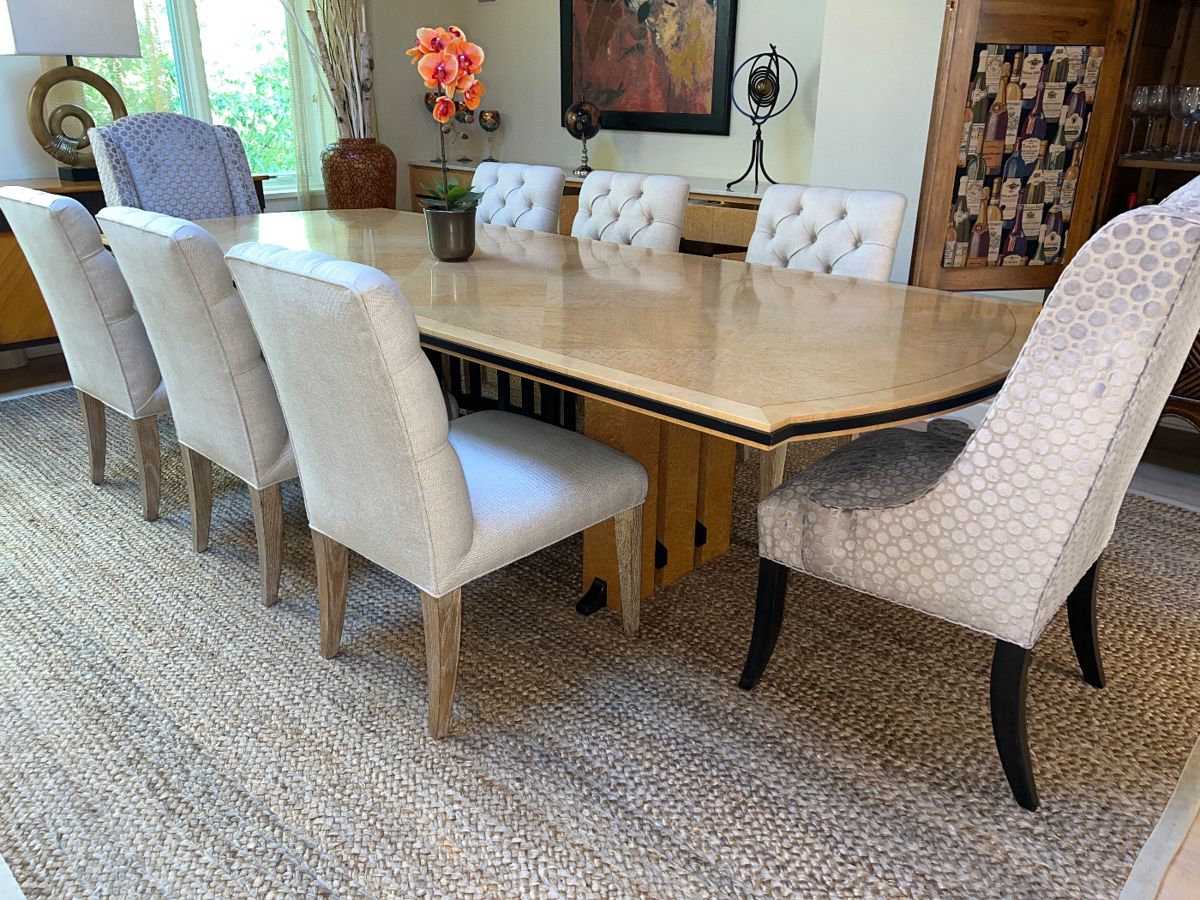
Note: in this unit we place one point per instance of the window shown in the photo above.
(223, 61)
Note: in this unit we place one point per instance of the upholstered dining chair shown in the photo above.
(834, 231)
(167, 163)
(997, 529)
(222, 399)
(385, 474)
(519, 195)
(108, 355)
(626, 208)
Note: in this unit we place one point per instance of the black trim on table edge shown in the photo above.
(719, 426)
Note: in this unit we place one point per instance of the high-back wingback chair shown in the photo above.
(626, 208)
(223, 401)
(995, 530)
(167, 163)
(385, 474)
(102, 336)
(519, 195)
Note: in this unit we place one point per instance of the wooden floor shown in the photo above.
(1182, 881)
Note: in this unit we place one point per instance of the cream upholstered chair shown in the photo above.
(639, 210)
(834, 231)
(109, 358)
(174, 165)
(386, 475)
(995, 530)
(519, 195)
(222, 398)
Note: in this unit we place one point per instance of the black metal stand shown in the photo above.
(595, 599)
(757, 163)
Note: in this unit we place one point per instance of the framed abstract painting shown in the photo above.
(650, 65)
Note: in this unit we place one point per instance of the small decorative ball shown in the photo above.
(582, 120)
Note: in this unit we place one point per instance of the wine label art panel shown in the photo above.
(1023, 137)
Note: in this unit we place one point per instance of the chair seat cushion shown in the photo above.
(811, 516)
(532, 484)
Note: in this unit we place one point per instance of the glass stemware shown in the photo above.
(489, 121)
(1185, 98)
(1159, 106)
(1195, 120)
(1138, 107)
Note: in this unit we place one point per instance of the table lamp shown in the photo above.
(69, 28)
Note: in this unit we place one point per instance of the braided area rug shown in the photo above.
(164, 734)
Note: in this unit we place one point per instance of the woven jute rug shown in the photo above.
(164, 734)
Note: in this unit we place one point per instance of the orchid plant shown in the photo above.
(450, 65)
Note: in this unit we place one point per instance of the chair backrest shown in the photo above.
(519, 195)
(1186, 198)
(364, 406)
(174, 165)
(639, 210)
(1052, 460)
(222, 398)
(831, 230)
(101, 333)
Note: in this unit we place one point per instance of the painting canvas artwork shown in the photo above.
(650, 65)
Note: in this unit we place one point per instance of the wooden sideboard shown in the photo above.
(24, 319)
(719, 222)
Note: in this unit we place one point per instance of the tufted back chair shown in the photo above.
(638, 210)
(390, 452)
(174, 165)
(519, 195)
(223, 400)
(101, 333)
(831, 230)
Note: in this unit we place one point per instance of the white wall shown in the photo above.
(878, 65)
(20, 155)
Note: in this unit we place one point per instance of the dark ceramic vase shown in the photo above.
(359, 173)
(451, 233)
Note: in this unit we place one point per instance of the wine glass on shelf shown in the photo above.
(1138, 106)
(1191, 152)
(1158, 107)
(1185, 98)
(489, 121)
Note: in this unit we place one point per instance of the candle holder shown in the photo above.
(489, 121)
(582, 121)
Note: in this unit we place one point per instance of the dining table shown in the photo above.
(676, 358)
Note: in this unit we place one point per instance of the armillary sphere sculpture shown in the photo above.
(763, 90)
(75, 151)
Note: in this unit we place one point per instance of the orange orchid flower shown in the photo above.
(473, 94)
(469, 56)
(439, 70)
(431, 40)
(457, 32)
(443, 109)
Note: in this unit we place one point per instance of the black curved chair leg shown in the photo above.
(768, 615)
(1081, 614)
(1010, 675)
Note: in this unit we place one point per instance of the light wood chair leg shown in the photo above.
(443, 616)
(94, 433)
(629, 564)
(332, 575)
(770, 469)
(267, 507)
(149, 463)
(197, 472)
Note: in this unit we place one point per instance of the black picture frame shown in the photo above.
(715, 122)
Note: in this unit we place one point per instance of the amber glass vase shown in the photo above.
(359, 173)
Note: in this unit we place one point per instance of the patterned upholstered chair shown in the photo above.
(174, 165)
(386, 475)
(102, 336)
(639, 210)
(222, 398)
(995, 530)
(1184, 402)
(519, 195)
(827, 230)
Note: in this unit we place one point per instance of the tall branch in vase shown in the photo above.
(340, 48)
(449, 65)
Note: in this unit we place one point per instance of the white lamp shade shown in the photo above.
(68, 28)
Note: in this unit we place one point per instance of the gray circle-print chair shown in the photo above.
(996, 530)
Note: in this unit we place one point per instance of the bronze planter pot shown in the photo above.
(451, 233)
(359, 173)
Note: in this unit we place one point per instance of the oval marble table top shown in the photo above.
(757, 354)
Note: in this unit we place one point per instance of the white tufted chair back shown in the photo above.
(519, 195)
(174, 165)
(638, 210)
(389, 451)
(223, 402)
(831, 230)
(102, 336)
